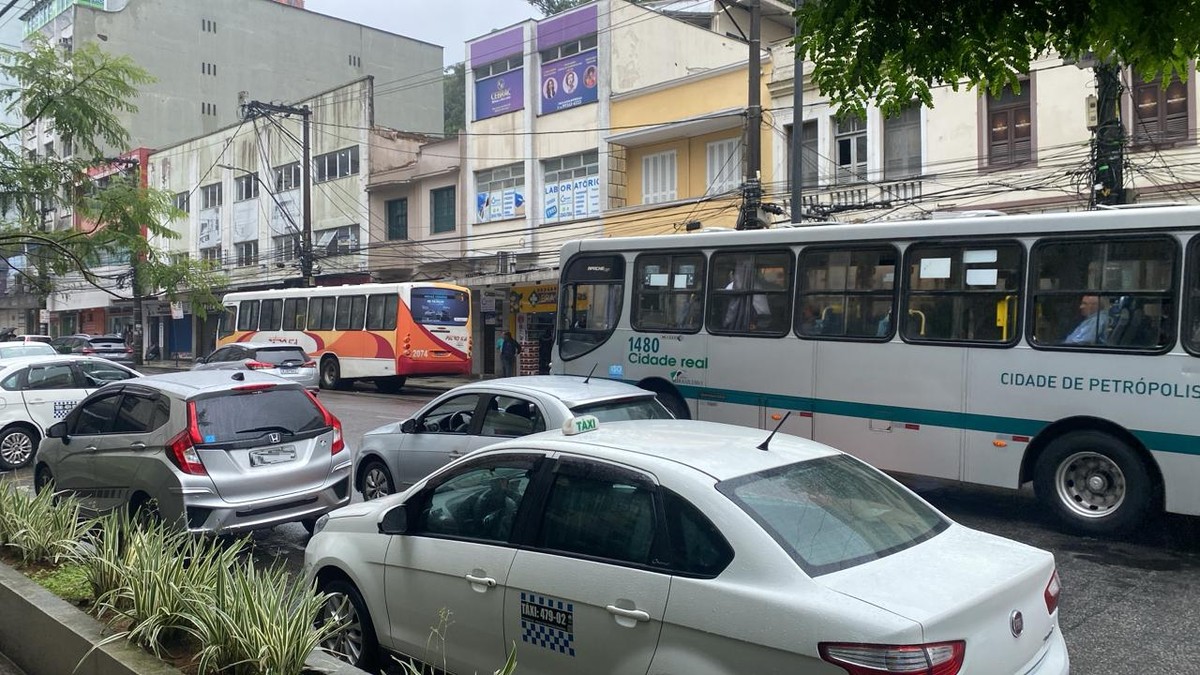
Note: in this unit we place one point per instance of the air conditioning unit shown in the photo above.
(506, 262)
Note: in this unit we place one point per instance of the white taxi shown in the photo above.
(679, 547)
(37, 391)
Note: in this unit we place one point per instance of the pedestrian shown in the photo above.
(509, 349)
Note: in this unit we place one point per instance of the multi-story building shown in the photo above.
(18, 307)
(241, 191)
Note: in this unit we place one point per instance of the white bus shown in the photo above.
(1058, 349)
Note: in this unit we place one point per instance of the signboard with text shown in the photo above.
(569, 82)
(500, 94)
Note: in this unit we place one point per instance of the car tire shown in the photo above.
(670, 398)
(310, 524)
(43, 479)
(356, 642)
(376, 481)
(390, 385)
(145, 510)
(1093, 483)
(18, 444)
(331, 374)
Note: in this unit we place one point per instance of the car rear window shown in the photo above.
(26, 349)
(640, 408)
(245, 415)
(107, 343)
(277, 355)
(834, 512)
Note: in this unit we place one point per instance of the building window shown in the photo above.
(287, 247)
(574, 47)
(211, 254)
(498, 67)
(1160, 114)
(397, 219)
(287, 177)
(355, 61)
(724, 161)
(572, 187)
(337, 164)
(208, 68)
(963, 292)
(246, 187)
(500, 193)
(208, 109)
(183, 201)
(1010, 126)
(658, 177)
(808, 154)
(902, 144)
(441, 209)
(846, 292)
(247, 254)
(337, 241)
(210, 196)
(850, 140)
(208, 25)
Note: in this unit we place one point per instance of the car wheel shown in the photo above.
(376, 481)
(43, 479)
(331, 374)
(353, 641)
(390, 385)
(1093, 483)
(17, 445)
(145, 510)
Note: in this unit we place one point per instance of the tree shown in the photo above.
(454, 97)
(80, 95)
(889, 52)
(552, 7)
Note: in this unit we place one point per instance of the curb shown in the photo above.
(42, 634)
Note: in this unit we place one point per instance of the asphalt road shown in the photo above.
(1128, 606)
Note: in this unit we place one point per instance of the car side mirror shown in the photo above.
(57, 430)
(395, 521)
(202, 359)
(409, 426)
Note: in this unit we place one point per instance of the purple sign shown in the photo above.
(500, 94)
(569, 82)
(566, 27)
(497, 46)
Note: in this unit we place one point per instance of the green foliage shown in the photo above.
(890, 52)
(44, 529)
(68, 581)
(454, 98)
(436, 643)
(551, 7)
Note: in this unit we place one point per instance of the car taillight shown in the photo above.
(1053, 590)
(129, 350)
(88, 350)
(182, 448)
(257, 365)
(309, 364)
(339, 443)
(938, 658)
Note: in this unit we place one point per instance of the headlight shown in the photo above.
(320, 524)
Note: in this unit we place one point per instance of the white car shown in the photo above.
(37, 391)
(679, 547)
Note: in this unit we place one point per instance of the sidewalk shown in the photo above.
(432, 383)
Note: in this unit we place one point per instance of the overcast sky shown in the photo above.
(449, 23)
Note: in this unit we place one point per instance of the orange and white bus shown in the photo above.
(381, 332)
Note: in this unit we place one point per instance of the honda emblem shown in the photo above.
(1016, 622)
(275, 438)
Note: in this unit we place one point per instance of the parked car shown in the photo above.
(10, 350)
(676, 546)
(111, 347)
(286, 361)
(214, 452)
(465, 418)
(33, 338)
(37, 391)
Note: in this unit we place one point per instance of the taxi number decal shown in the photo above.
(548, 623)
(62, 408)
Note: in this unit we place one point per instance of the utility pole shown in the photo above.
(1108, 186)
(797, 168)
(752, 187)
(255, 109)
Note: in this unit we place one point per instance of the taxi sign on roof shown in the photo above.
(579, 425)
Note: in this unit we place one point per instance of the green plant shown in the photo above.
(437, 642)
(68, 581)
(45, 528)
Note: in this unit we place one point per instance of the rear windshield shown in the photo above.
(26, 349)
(107, 343)
(642, 408)
(834, 512)
(246, 415)
(280, 355)
(440, 306)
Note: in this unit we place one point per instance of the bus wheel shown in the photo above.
(669, 398)
(331, 374)
(1093, 483)
(390, 385)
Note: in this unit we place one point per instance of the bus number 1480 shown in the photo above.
(644, 344)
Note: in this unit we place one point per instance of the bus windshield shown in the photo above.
(440, 307)
(590, 306)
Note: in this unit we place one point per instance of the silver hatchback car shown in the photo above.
(213, 451)
(287, 361)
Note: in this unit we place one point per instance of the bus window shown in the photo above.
(669, 294)
(750, 293)
(271, 315)
(1111, 294)
(321, 313)
(227, 322)
(433, 306)
(248, 315)
(590, 300)
(295, 313)
(847, 292)
(962, 292)
(1191, 319)
(381, 311)
(351, 312)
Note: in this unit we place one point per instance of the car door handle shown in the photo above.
(90, 448)
(457, 453)
(138, 445)
(483, 581)
(635, 614)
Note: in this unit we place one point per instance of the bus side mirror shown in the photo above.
(408, 426)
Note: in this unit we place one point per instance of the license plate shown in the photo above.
(272, 456)
(289, 371)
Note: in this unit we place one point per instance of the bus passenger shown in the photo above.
(1092, 328)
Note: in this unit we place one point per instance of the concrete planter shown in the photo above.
(45, 635)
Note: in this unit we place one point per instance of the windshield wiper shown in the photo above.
(284, 430)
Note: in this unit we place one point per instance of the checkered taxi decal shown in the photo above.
(62, 408)
(548, 623)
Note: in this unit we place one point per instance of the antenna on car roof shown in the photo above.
(764, 445)
(589, 375)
